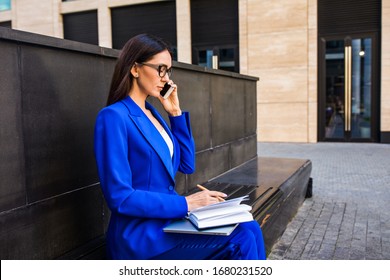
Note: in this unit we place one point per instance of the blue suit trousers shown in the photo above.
(244, 243)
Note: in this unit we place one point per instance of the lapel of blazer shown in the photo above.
(150, 133)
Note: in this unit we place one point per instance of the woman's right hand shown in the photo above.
(203, 198)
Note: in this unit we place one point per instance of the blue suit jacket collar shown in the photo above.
(150, 133)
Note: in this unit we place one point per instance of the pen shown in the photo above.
(205, 189)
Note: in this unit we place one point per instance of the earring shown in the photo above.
(136, 75)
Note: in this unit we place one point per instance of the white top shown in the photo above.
(168, 140)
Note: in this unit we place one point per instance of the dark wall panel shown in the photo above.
(243, 150)
(12, 182)
(52, 227)
(157, 18)
(81, 27)
(58, 110)
(228, 109)
(209, 164)
(214, 22)
(348, 16)
(197, 100)
(250, 109)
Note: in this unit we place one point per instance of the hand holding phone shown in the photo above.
(166, 91)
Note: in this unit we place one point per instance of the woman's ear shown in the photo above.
(134, 71)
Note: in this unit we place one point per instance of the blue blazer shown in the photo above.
(137, 177)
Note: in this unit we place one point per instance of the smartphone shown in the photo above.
(166, 91)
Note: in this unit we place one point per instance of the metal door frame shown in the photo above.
(375, 86)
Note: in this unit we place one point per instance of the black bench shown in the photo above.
(276, 187)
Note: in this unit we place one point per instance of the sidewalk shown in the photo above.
(348, 216)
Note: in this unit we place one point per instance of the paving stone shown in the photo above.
(326, 252)
(357, 253)
(276, 255)
(341, 253)
(348, 216)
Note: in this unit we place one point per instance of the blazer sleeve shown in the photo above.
(111, 151)
(181, 129)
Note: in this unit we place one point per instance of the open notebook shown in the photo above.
(225, 214)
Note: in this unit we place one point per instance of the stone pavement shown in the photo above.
(348, 216)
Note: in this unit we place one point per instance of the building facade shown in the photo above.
(324, 65)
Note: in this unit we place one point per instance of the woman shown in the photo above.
(138, 155)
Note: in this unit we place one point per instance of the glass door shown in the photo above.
(347, 90)
(217, 57)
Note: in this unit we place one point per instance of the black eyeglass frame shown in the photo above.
(162, 69)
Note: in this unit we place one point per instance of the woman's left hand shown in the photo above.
(171, 104)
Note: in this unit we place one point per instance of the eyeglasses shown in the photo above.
(162, 69)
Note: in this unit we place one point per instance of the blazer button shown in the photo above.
(170, 188)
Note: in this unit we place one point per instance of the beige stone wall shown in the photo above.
(41, 17)
(183, 23)
(280, 47)
(104, 24)
(385, 71)
(243, 35)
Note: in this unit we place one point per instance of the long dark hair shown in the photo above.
(139, 49)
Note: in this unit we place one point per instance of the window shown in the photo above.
(225, 57)
(5, 5)
(214, 30)
(205, 58)
(81, 27)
